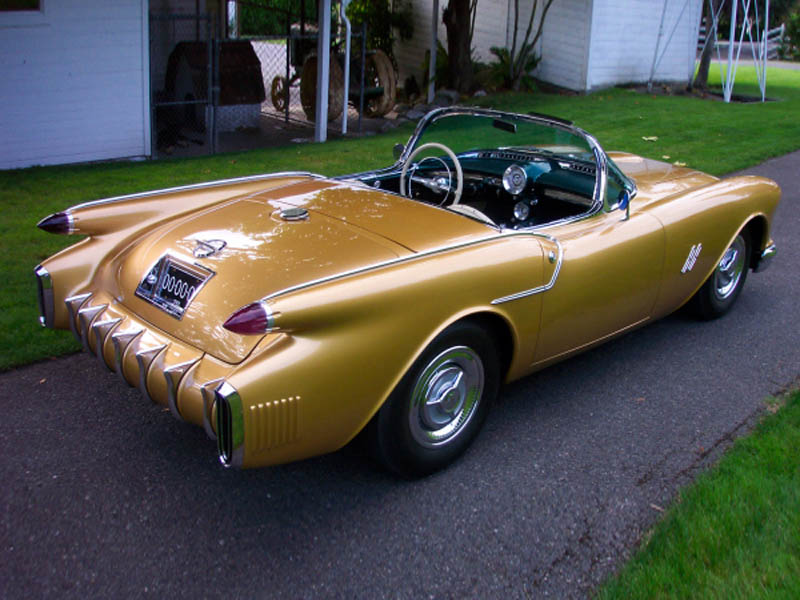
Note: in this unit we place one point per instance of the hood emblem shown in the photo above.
(206, 248)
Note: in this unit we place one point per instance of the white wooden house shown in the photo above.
(585, 45)
(74, 83)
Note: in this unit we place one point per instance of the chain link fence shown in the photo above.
(288, 67)
(214, 95)
(181, 84)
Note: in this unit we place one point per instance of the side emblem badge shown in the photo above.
(207, 248)
(692, 258)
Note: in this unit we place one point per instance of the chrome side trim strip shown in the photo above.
(173, 375)
(74, 303)
(121, 341)
(767, 255)
(404, 259)
(101, 330)
(44, 285)
(207, 391)
(541, 288)
(145, 358)
(197, 186)
(85, 317)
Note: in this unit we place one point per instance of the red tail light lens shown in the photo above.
(253, 319)
(59, 222)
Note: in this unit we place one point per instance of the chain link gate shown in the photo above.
(182, 83)
(288, 66)
(212, 95)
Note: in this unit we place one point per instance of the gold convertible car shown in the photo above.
(286, 313)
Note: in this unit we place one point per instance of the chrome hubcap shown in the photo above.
(729, 270)
(446, 396)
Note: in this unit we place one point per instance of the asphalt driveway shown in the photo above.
(105, 495)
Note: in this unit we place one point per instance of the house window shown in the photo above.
(23, 13)
(20, 5)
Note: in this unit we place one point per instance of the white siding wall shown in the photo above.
(410, 54)
(624, 37)
(74, 83)
(565, 43)
(586, 44)
(491, 26)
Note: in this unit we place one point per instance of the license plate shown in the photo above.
(171, 285)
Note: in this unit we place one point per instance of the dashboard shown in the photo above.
(514, 189)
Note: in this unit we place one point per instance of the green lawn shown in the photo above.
(733, 534)
(709, 135)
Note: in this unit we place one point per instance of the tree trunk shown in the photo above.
(701, 79)
(456, 19)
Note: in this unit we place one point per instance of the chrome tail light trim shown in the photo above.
(173, 375)
(74, 303)
(86, 316)
(101, 329)
(121, 341)
(230, 425)
(145, 358)
(44, 286)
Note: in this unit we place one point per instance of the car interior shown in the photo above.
(507, 171)
(512, 188)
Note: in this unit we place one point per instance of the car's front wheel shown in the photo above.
(440, 404)
(724, 285)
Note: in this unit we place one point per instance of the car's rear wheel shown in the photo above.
(722, 288)
(440, 404)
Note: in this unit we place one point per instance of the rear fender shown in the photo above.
(346, 344)
(114, 224)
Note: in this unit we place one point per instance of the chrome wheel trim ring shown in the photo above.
(729, 270)
(446, 396)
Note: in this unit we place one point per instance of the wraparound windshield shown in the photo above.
(465, 132)
(473, 131)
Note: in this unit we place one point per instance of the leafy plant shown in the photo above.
(519, 61)
(442, 66)
(270, 18)
(790, 44)
(502, 71)
(382, 21)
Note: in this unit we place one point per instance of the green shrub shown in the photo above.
(790, 45)
(383, 21)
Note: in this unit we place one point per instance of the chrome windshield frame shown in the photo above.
(601, 159)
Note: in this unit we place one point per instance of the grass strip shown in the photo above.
(734, 533)
(711, 136)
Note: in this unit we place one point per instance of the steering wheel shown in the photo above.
(430, 183)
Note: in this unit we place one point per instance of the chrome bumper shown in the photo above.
(164, 370)
(230, 425)
(44, 288)
(766, 258)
